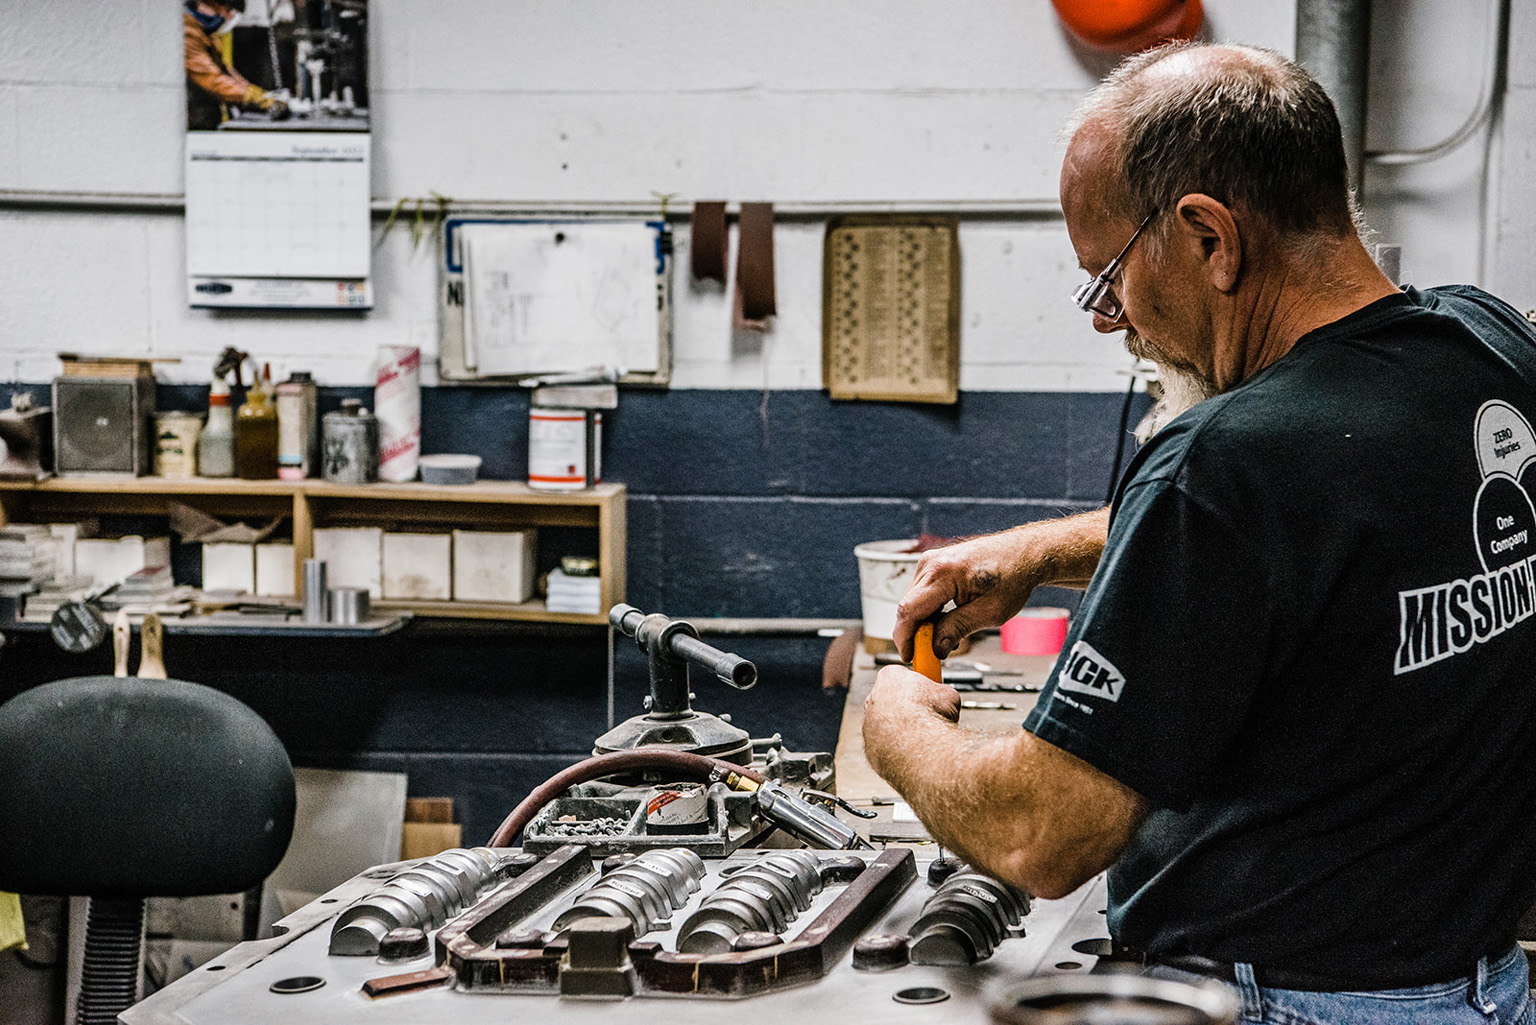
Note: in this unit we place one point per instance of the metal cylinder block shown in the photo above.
(424, 896)
(965, 920)
(646, 890)
(765, 896)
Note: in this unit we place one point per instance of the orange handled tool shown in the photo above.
(923, 659)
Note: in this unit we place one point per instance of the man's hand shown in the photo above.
(899, 696)
(990, 578)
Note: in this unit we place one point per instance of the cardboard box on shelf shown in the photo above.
(493, 565)
(429, 828)
(275, 570)
(110, 560)
(229, 566)
(418, 567)
(352, 556)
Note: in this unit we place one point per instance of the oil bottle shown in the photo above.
(256, 431)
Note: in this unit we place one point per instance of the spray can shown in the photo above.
(298, 427)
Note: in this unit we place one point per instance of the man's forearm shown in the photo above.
(1011, 805)
(1067, 549)
(939, 771)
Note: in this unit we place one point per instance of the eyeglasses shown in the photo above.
(1094, 296)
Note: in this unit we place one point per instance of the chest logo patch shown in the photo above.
(1088, 672)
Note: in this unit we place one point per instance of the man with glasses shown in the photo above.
(1295, 715)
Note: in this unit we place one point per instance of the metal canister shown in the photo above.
(351, 444)
(298, 432)
(317, 599)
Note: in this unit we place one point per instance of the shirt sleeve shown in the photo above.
(208, 74)
(1164, 659)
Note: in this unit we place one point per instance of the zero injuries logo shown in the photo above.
(1088, 672)
(1447, 619)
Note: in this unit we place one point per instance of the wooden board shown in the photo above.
(891, 308)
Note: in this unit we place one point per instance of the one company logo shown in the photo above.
(1447, 619)
(1088, 672)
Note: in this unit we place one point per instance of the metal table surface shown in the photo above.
(234, 989)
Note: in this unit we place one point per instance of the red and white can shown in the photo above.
(563, 448)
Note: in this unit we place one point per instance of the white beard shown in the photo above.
(1174, 391)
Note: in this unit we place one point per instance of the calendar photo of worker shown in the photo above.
(285, 65)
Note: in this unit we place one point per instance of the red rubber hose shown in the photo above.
(684, 763)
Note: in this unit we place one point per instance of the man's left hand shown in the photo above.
(899, 696)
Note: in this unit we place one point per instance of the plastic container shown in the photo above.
(176, 436)
(256, 431)
(449, 468)
(216, 442)
(885, 572)
(1035, 631)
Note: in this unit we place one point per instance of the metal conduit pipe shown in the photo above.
(1333, 41)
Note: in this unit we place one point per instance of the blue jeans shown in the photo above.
(1498, 993)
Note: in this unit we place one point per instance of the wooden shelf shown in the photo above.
(484, 505)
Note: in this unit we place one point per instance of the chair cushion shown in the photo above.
(132, 787)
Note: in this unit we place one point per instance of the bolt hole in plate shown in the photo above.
(921, 995)
(1067, 966)
(297, 984)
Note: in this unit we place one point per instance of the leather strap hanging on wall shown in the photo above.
(707, 242)
(754, 266)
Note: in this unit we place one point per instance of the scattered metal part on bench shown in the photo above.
(831, 800)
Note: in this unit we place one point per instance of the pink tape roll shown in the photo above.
(1035, 631)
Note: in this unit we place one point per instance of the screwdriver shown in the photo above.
(923, 658)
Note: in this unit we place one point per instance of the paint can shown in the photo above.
(176, 443)
(564, 448)
(351, 444)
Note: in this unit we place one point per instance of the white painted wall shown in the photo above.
(808, 103)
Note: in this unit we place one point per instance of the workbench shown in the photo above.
(858, 784)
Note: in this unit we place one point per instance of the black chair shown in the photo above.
(125, 788)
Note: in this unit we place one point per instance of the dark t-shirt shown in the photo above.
(1310, 646)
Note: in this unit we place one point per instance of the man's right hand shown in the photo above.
(990, 578)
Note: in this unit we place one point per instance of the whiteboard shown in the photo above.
(535, 296)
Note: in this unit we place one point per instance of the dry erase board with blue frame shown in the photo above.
(521, 297)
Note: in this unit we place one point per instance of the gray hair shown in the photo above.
(1249, 128)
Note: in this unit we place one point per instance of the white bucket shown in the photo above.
(885, 572)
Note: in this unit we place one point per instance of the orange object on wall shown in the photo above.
(1126, 26)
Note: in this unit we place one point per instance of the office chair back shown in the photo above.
(125, 788)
